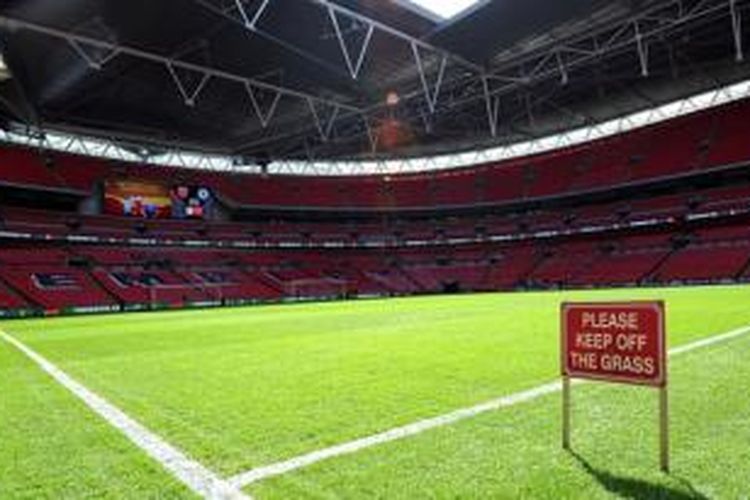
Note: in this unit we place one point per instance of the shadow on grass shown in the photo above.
(637, 489)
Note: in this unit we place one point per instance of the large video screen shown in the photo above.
(143, 199)
(153, 200)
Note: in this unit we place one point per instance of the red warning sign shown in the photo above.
(620, 342)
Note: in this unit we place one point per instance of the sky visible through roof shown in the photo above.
(444, 9)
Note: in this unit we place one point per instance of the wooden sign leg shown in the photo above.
(566, 413)
(664, 428)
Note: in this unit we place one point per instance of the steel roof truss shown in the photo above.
(324, 127)
(94, 62)
(189, 95)
(354, 66)
(251, 22)
(737, 30)
(642, 50)
(492, 105)
(431, 92)
(265, 118)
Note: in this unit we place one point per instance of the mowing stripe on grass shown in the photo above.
(194, 475)
(266, 471)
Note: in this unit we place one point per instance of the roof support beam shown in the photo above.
(189, 95)
(564, 79)
(431, 92)
(259, 31)
(170, 63)
(412, 40)
(576, 52)
(372, 135)
(353, 66)
(642, 50)
(251, 23)
(96, 63)
(737, 30)
(557, 60)
(575, 56)
(324, 126)
(493, 107)
(265, 118)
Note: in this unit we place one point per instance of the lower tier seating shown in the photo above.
(122, 278)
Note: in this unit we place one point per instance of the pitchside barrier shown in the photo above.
(622, 342)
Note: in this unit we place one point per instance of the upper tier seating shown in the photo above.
(708, 139)
(25, 168)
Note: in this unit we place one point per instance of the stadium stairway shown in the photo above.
(15, 296)
(652, 273)
(744, 270)
(417, 286)
(96, 280)
(266, 280)
(535, 266)
(18, 292)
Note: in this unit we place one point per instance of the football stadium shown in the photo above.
(353, 249)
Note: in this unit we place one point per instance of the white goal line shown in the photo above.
(263, 472)
(191, 473)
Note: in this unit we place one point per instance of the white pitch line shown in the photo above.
(714, 339)
(394, 434)
(254, 475)
(194, 475)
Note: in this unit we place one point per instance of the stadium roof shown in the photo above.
(245, 79)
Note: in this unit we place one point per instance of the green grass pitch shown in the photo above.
(245, 387)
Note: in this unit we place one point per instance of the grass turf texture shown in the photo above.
(238, 388)
(52, 446)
